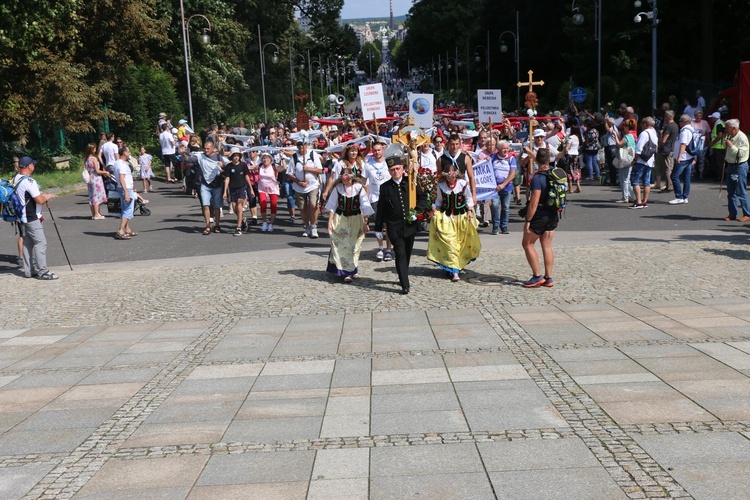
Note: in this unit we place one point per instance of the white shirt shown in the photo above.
(109, 152)
(356, 189)
(574, 144)
(297, 170)
(461, 186)
(30, 186)
(642, 141)
(167, 142)
(123, 167)
(684, 137)
(428, 160)
(376, 174)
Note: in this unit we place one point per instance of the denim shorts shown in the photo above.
(126, 209)
(640, 175)
(212, 196)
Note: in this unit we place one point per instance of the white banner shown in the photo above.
(420, 107)
(490, 105)
(371, 97)
(484, 175)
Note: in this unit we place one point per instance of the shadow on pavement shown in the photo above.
(734, 254)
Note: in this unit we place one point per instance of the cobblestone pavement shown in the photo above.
(260, 376)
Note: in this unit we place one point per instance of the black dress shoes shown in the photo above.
(404, 291)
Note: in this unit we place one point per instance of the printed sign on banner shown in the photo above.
(490, 105)
(484, 175)
(420, 107)
(371, 97)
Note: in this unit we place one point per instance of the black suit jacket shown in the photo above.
(392, 212)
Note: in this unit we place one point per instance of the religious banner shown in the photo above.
(490, 105)
(420, 107)
(484, 175)
(371, 97)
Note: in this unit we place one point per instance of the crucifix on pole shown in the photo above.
(531, 99)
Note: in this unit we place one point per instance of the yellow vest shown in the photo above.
(720, 144)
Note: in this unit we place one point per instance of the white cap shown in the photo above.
(539, 133)
(333, 128)
(235, 151)
(715, 114)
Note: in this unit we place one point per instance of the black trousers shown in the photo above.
(402, 247)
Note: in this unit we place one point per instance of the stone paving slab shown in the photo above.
(336, 391)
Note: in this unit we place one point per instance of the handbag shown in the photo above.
(85, 175)
(625, 156)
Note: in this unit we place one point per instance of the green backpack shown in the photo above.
(555, 196)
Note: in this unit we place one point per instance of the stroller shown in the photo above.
(114, 205)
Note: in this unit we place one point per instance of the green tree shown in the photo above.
(370, 50)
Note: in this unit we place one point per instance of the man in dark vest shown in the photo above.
(393, 210)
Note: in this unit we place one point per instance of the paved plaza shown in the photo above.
(250, 373)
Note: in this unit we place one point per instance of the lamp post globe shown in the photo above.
(578, 19)
(205, 39)
(503, 47)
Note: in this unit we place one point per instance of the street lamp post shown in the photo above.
(654, 16)
(274, 59)
(578, 20)
(291, 70)
(517, 53)
(205, 40)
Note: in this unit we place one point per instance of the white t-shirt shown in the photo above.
(123, 167)
(167, 143)
(376, 173)
(574, 144)
(296, 169)
(642, 141)
(109, 152)
(30, 186)
(703, 127)
(684, 137)
(690, 111)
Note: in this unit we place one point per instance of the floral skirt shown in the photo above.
(347, 235)
(454, 241)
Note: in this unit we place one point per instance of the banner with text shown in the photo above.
(371, 97)
(420, 107)
(484, 175)
(490, 105)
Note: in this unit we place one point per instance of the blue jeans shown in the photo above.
(289, 193)
(737, 189)
(680, 176)
(592, 163)
(501, 211)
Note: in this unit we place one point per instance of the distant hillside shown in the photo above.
(361, 21)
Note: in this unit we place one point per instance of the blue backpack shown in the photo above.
(695, 146)
(11, 206)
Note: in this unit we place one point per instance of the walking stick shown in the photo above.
(58, 235)
(723, 167)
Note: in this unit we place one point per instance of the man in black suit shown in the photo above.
(393, 209)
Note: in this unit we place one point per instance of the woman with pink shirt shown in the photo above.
(268, 189)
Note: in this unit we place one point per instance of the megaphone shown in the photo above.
(336, 99)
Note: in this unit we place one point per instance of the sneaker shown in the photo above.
(254, 221)
(379, 255)
(348, 279)
(314, 233)
(264, 227)
(636, 205)
(644, 204)
(685, 201)
(388, 256)
(548, 282)
(305, 232)
(534, 282)
(495, 231)
(505, 231)
(485, 224)
(270, 228)
(238, 231)
(455, 277)
(676, 201)
(211, 220)
(291, 220)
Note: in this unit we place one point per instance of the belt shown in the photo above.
(735, 164)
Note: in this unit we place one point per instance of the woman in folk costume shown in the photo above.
(454, 241)
(348, 211)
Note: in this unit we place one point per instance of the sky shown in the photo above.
(354, 9)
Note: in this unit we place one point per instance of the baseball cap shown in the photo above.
(333, 128)
(715, 114)
(183, 121)
(25, 161)
(539, 133)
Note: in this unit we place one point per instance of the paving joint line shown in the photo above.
(75, 470)
(632, 469)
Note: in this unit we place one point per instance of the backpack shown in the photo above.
(11, 205)
(555, 196)
(648, 149)
(695, 146)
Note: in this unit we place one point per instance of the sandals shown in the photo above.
(207, 231)
(132, 233)
(47, 276)
(217, 229)
(98, 217)
(121, 236)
